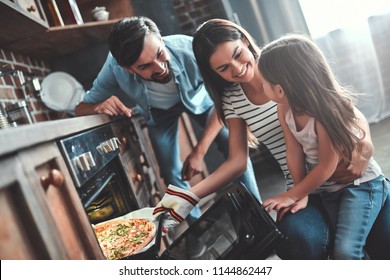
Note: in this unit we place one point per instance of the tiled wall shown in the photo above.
(12, 91)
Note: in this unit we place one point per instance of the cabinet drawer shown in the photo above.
(46, 172)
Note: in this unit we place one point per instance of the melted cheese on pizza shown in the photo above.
(122, 238)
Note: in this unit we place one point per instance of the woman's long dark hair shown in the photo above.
(206, 39)
(297, 64)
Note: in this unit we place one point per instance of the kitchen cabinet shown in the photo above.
(42, 217)
(141, 164)
(26, 230)
(138, 160)
(40, 210)
(26, 34)
(41, 214)
(17, 23)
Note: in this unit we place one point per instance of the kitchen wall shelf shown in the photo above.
(25, 33)
(17, 24)
(59, 41)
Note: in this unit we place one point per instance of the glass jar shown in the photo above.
(19, 113)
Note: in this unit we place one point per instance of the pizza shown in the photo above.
(121, 238)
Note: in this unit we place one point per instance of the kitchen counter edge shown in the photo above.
(18, 138)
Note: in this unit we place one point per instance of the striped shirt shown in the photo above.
(262, 121)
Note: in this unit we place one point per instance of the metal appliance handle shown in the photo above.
(100, 185)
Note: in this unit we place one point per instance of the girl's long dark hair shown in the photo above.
(300, 68)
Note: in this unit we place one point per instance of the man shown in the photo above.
(161, 76)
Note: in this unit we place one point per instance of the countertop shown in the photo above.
(25, 136)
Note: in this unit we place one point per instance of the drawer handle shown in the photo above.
(55, 178)
(137, 178)
(31, 9)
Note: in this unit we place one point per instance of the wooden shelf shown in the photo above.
(59, 41)
(17, 24)
(29, 35)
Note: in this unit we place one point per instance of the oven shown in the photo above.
(234, 227)
(93, 160)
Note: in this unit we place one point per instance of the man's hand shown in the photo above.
(192, 165)
(112, 107)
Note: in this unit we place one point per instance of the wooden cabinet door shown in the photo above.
(138, 160)
(47, 173)
(26, 232)
(148, 159)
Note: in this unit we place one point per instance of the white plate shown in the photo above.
(61, 92)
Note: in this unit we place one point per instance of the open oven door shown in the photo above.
(235, 227)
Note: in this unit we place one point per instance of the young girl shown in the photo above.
(321, 129)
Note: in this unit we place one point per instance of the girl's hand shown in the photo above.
(300, 204)
(278, 202)
(348, 172)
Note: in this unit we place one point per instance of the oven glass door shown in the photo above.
(109, 194)
(235, 227)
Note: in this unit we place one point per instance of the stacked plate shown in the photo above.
(3, 120)
(61, 92)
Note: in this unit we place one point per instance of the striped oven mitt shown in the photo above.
(177, 203)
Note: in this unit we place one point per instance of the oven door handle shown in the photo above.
(99, 186)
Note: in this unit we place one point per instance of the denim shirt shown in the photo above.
(130, 89)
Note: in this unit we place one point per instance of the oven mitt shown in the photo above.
(177, 203)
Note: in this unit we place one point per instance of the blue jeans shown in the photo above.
(307, 232)
(310, 237)
(164, 137)
(378, 241)
(352, 212)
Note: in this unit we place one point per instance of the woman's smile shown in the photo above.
(243, 72)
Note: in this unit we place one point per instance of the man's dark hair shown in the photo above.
(127, 37)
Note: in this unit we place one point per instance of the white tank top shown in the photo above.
(307, 137)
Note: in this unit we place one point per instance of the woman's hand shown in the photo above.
(177, 203)
(192, 165)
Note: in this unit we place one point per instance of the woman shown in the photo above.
(227, 58)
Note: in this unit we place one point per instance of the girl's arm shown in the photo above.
(235, 164)
(328, 160)
(294, 152)
(296, 165)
